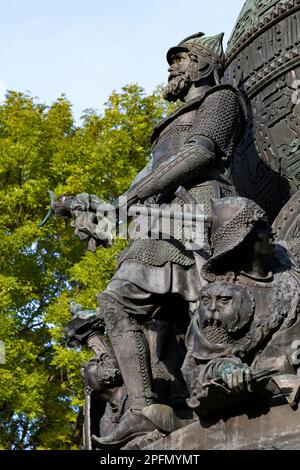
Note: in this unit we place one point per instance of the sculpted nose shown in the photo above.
(212, 306)
(217, 315)
(212, 309)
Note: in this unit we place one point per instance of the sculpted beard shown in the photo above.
(178, 86)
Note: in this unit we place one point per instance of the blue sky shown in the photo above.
(87, 48)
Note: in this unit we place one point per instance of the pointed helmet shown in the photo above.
(208, 48)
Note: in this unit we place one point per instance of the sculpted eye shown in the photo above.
(205, 300)
(226, 300)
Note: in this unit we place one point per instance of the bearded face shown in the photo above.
(225, 306)
(179, 81)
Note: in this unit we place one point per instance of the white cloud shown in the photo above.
(3, 89)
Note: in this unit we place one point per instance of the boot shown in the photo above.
(132, 424)
(132, 353)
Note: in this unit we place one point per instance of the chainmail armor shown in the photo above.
(172, 138)
(235, 228)
(217, 335)
(219, 118)
(220, 107)
(159, 252)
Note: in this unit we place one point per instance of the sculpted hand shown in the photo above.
(61, 206)
(237, 377)
(94, 220)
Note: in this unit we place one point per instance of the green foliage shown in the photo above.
(41, 270)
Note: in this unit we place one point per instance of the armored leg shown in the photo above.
(131, 350)
(132, 354)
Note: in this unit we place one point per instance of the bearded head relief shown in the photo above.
(224, 312)
(196, 61)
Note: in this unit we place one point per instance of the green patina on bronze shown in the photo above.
(253, 12)
(263, 61)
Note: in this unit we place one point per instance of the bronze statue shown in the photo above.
(191, 148)
(244, 281)
(263, 62)
(247, 317)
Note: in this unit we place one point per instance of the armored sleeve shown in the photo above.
(220, 120)
(193, 158)
(214, 134)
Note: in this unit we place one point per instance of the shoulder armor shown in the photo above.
(195, 104)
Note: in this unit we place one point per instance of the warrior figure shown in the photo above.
(191, 150)
(247, 318)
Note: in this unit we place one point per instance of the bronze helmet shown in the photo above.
(233, 219)
(207, 51)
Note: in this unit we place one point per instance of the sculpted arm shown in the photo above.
(215, 132)
(193, 159)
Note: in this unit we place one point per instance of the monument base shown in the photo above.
(278, 429)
